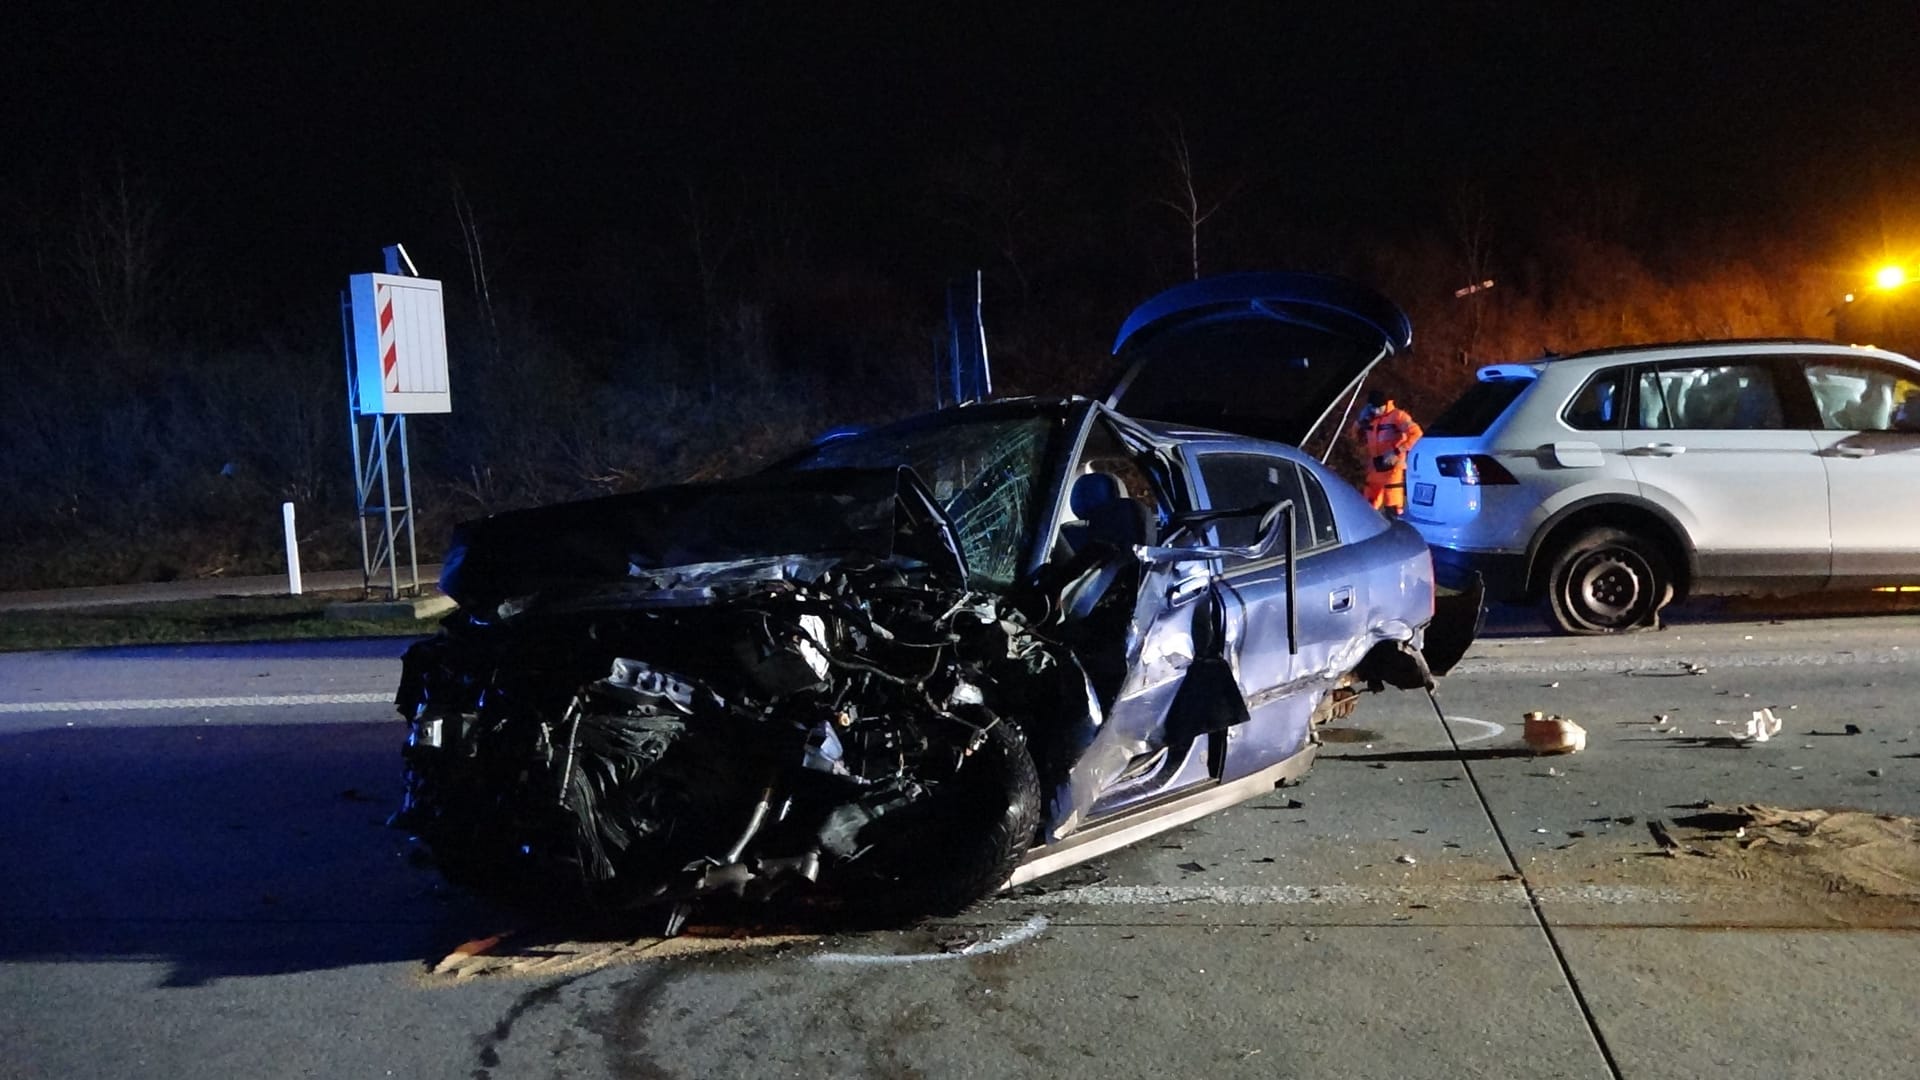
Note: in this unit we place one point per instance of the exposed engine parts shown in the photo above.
(769, 730)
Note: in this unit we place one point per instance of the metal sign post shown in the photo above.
(964, 376)
(396, 353)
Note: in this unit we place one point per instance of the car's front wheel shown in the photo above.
(1607, 580)
(959, 843)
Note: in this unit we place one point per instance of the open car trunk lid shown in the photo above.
(1263, 354)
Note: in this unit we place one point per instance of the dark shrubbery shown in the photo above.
(174, 465)
(132, 452)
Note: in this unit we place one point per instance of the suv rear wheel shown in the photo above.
(1606, 580)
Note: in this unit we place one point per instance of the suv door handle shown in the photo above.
(1661, 449)
(1853, 451)
(1341, 599)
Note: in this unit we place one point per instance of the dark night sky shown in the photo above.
(294, 144)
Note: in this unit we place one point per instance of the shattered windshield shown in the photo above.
(984, 473)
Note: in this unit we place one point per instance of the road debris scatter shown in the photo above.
(1762, 726)
(1827, 855)
(1553, 734)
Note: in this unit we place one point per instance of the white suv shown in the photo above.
(1612, 482)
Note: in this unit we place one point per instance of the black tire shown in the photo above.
(1607, 581)
(958, 845)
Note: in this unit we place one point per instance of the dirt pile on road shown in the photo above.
(548, 953)
(1750, 865)
(1843, 850)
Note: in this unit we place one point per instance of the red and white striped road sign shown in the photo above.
(389, 352)
(399, 345)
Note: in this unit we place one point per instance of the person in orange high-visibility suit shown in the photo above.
(1388, 432)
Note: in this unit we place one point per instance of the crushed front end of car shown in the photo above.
(817, 700)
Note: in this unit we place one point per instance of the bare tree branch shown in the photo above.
(118, 256)
(476, 261)
(1186, 199)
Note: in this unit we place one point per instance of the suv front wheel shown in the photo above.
(1606, 580)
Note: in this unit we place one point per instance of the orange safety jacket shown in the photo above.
(1389, 432)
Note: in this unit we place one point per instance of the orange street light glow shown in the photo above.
(1890, 277)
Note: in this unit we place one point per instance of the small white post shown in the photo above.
(293, 550)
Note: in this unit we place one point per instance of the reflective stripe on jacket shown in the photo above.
(1391, 431)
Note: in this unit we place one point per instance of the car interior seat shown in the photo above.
(1104, 513)
(1107, 521)
(1756, 406)
(1660, 399)
(1711, 401)
(1654, 413)
(1831, 398)
(1686, 397)
(1873, 412)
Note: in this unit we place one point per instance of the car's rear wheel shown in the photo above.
(1607, 580)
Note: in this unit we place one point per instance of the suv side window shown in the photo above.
(1739, 396)
(1862, 395)
(1598, 405)
(1258, 480)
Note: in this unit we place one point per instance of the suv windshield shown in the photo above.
(1476, 410)
(983, 472)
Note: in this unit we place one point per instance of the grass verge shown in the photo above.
(235, 618)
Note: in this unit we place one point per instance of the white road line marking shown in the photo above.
(1308, 895)
(1614, 894)
(252, 701)
(1026, 931)
(1713, 657)
(1492, 729)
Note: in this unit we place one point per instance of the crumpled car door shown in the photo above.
(1135, 755)
(1171, 619)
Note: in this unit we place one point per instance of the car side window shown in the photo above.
(1598, 405)
(1708, 397)
(1257, 481)
(1325, 529)
(1854, 395)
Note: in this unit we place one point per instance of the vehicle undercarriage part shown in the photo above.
(1395, 663)
(1339, 703)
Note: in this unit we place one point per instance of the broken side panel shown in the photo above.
(1152, 653)
(1338, 592)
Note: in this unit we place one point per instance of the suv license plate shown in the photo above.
(1423, 494)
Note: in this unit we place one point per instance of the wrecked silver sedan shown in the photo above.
(912, 666)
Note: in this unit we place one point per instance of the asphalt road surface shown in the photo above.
(197, 883)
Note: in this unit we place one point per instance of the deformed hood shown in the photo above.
(1262, 354)
(881, 513)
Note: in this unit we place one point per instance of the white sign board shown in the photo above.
(399, 344)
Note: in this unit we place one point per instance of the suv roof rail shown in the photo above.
(1704, 343)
